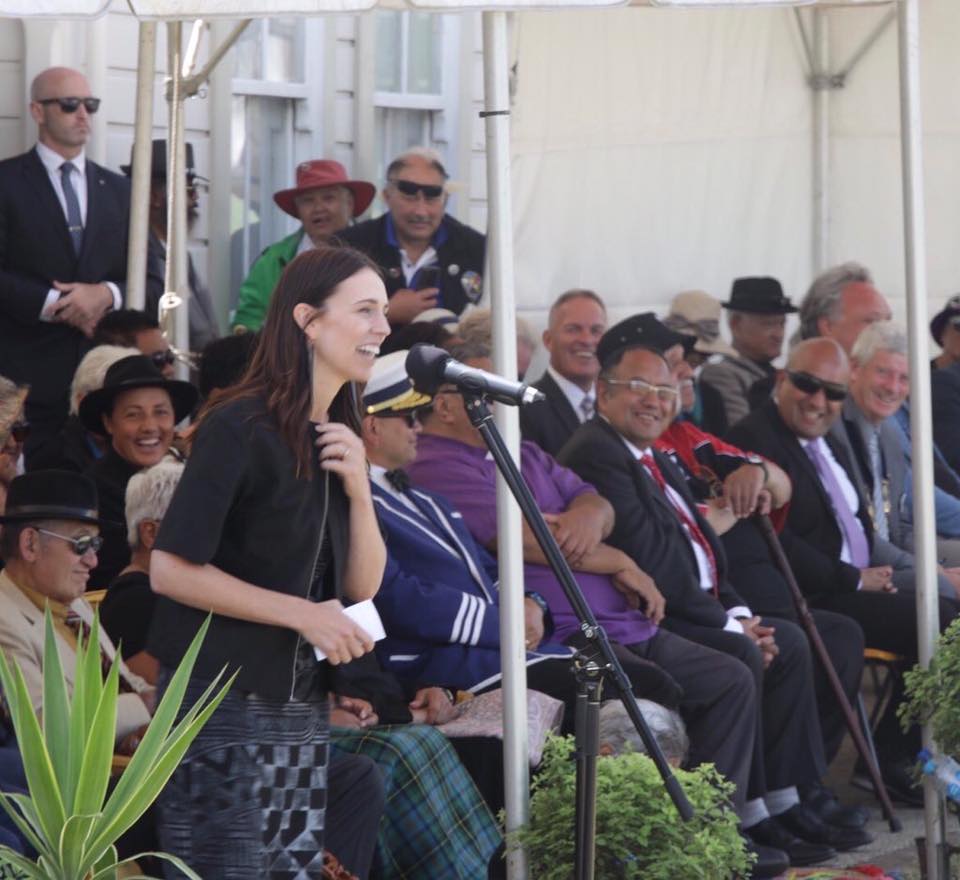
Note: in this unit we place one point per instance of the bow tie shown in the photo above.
(398, 479)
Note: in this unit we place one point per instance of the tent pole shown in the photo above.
(920, 408)
(176, 268)
(500, 283)
(140, 173)
(821, 141)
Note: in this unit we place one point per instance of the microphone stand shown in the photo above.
(595, 663)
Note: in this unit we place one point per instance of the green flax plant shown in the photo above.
(70, 816)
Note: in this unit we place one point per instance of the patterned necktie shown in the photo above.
(876, 471)
(846, 518)
(694, 532)
(74, 221)
(586, 408)
(399, 479)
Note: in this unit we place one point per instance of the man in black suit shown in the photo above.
(63, 249)
(828, 532)
(578, 318)
(659, 525)
(428, 258)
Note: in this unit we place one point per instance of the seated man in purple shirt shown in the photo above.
(453, 461)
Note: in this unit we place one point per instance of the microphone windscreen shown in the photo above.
(425, 365)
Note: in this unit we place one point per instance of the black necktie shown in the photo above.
(398, 479)
(74, 221)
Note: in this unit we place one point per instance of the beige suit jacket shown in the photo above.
(21, 639)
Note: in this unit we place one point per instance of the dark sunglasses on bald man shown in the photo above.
(72, 105)
(411, 417)
(163, 359)
(431, 191)
(833, 391)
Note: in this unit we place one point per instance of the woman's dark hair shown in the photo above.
(279, 371)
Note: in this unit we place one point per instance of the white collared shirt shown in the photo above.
(52, 161)
(427, 258)
(703, 563)
(573, 392)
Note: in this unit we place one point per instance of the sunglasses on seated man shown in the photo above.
(411, 417)
(162, 359)
(833, 391)
(71, 105)
(19, 431)
(81, 545)
(431, 191)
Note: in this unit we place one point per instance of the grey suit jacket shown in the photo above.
(21, 640)
(846, 430)
(733, 377)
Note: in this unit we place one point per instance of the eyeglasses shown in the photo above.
(666, 393)
(411, 417)
(163, 359)
(20, 431)
(72, 105)
(81, 545)
(431, 191)
(833, 391)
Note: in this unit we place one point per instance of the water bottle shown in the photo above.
(945, 772)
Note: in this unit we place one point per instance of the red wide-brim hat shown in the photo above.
(318, 173)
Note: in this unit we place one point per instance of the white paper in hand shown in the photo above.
(365, 615)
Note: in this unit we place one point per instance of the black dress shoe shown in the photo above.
(824, 803)
(808, 826)
(771, 833)
(898, 778)
(769, 862)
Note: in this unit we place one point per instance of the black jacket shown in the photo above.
(647, 528)
(35, 251)
(460, 258)
(240, 507)
(811, 537)
(549, 423)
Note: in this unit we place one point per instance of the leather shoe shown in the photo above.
(824, 803)
(771, 833)
(769, 862)
(808, 826)
(897, 777)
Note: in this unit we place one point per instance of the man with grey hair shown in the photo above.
(879, 385)
(428, 258)
(840, 303)
(618, 735)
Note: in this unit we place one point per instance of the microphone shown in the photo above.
(429, 367)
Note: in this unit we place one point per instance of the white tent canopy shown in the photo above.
(501, 286)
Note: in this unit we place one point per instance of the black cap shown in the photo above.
(641, 331)
(136, 371)
(158, 162)
(52, 494)
(761, 295)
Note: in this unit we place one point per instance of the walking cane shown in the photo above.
(807, 622)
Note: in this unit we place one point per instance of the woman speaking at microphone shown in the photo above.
(271, 527)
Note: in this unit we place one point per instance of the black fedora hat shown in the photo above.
(136, 371)
(39, 495)
(759, 294)
(645, 330)
(158, 162)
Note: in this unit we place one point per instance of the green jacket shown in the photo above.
(257, 288)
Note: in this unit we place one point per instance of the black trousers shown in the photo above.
(788, 746)
(889, 623)
(355, 802)
(715, 697)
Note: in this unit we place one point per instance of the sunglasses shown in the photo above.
(72, 105)
(431, 191)
(833, 391)
(638, 386)
(80, 546)
(163, 359)
(20, 431)
(411, 418)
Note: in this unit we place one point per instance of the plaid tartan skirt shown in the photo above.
(435, 823)
(248, 800)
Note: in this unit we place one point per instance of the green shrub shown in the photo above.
(68, 816)
(933, 694)
(639, 833)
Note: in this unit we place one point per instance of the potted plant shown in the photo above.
(639, 834)
(69, 817)
(933, 694)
